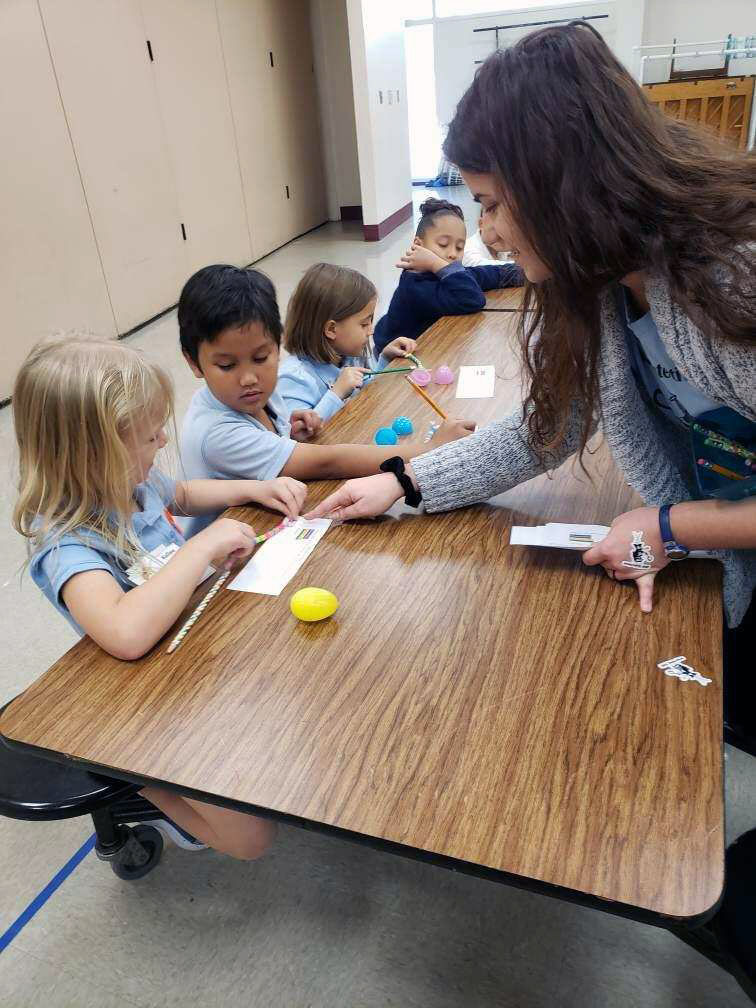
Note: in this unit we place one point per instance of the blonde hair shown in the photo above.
(324, 293)
(75, 401)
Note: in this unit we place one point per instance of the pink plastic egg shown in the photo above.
(443, 375)
(420, 376)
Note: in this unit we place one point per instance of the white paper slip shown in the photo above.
(278, 560)
(561, 535)
(476, 381)
(558, 535)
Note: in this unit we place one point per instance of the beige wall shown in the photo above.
(333, 69)
(122, 174)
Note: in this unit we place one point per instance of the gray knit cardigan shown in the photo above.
(652, 453)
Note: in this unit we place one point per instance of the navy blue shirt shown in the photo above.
(423, 298)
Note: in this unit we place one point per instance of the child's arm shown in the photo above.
(196, 497)
(496, 277)
(127, 624)
(298, 395)
(346, 460)
(457, 291)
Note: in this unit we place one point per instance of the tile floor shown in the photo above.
(319, 923)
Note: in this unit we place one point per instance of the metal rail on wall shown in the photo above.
(536, 24)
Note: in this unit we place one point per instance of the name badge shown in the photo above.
(150, 563)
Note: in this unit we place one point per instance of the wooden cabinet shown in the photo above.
(722, 105)
(187, 61)
(143, 139)
(100, 57)
(50, 272)
(268, 51)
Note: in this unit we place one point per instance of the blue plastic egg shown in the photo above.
(385, 436)
(402, 426)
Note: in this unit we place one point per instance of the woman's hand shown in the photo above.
(282, 494)
(399, 347)
(616, 550)
(350, 378)
(451, 430)
(421, 260)
(305, 424)
(360, 498)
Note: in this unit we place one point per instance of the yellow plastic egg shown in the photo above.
(312, 604)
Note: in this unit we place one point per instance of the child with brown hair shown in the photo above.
(328, 334)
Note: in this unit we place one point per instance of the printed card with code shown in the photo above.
(476, 381)
(277, 561)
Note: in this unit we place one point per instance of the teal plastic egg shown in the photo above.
(313, 604)
(385, 435)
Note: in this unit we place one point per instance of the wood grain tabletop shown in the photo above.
(500, 705)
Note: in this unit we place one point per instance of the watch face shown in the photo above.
(676, 552)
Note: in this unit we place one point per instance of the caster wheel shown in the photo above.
(140, 854)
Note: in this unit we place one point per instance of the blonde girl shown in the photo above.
(328, 334)
(89, 418)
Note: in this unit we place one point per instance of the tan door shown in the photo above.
(99, 50)
(251, 33)
(50, 274)
(304, 156)
(722, 105)
(194, 102)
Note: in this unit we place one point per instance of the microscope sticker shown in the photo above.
(641, 556)
(678, 668)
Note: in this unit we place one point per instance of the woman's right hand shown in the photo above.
(360, 498)
(350, 378)
(225, 542)
(450, 430)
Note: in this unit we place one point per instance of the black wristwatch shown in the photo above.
(395, 465)
(673, 550)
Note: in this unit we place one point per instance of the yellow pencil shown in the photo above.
(424, 395)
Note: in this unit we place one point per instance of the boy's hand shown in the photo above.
(282, 494)
(451, 430)
(399, 347)
(224, 542)
(421, 260)
(305, 424)
(350, 378)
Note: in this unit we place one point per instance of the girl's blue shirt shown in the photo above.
(304, 383)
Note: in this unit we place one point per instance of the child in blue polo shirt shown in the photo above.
(434, 282)
(238, 424)
(104, 547)
(328, 333)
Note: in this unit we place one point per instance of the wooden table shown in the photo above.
(496, 709)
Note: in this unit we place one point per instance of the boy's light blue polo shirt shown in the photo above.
(56, 563)
(307, 384)
(218, 442)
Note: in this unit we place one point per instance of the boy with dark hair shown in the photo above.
(237, 425)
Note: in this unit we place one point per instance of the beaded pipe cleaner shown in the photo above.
(216, 588)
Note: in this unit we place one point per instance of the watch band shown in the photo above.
(673, 550)
(395, 465)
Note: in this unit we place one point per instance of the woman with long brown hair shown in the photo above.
(637, 235)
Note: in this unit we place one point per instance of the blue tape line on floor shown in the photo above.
(39, 900)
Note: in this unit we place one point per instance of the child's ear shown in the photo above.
(195, 368)
(418, 241)
(329, 329)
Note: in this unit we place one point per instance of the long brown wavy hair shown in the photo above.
(602, 184)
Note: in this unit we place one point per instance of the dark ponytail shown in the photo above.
(434, 208)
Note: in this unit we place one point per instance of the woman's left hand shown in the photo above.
(616, 549)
